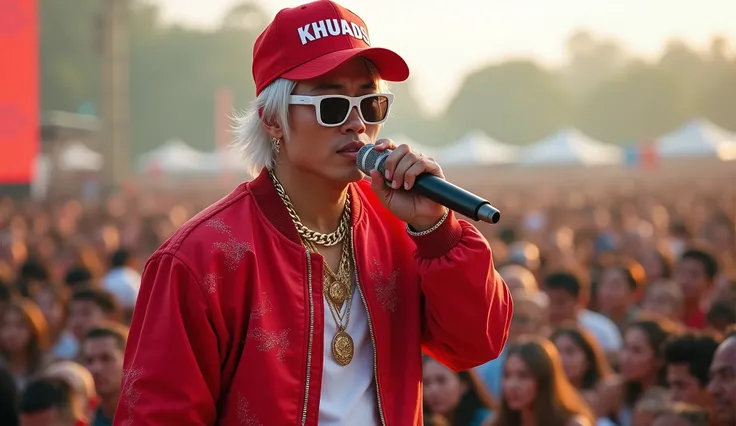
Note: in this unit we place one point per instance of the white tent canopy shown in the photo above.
(698, 138)
(477, 148)
(78, 157)
(174, 156)
(571, 147)
(224, 159)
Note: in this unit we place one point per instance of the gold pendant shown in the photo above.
(342, 348)
(338, 293)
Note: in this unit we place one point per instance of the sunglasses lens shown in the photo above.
(374, 108)
(334, 110)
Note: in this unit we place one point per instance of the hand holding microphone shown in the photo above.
(414, 187)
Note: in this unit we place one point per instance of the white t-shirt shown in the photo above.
(608, 335)
(124, 283)
(349, 393)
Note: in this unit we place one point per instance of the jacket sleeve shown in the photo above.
(171, 371)
(467, 306)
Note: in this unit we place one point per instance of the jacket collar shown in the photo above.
(273, 208)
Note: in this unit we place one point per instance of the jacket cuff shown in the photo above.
(440, 241)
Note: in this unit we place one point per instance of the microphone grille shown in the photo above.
(368, 158)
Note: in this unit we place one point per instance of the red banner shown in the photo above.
(19, 91)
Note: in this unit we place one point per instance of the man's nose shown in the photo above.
(354, 123)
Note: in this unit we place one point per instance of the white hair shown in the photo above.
(250, 135)
(252, 138)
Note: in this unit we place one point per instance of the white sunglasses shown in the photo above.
(334, 110)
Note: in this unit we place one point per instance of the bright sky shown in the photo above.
(441, 43)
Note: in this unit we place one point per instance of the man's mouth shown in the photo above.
(351, 148)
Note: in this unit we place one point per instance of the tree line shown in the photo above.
(175, 72)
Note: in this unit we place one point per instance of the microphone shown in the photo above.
(436, 189)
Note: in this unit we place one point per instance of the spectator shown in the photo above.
(529, 318)
(722, 385)
(460, 398)
(535, 383)
(586, 367)
(695, 273)
(642, 359)
(90, 308)
(657, 264)
(33, 274)
(123, 280)
(24, 338)
(78, 277)
(53, 300)
(519, 279)
(665, 299)
(721, 316)
(567, 298)
(652, 403)
(48, 401)
(80, 382)
(619, 291)
(688, 358)
(102, 351)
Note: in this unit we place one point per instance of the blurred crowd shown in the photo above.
(622, 298)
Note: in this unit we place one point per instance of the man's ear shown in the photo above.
(273, 128)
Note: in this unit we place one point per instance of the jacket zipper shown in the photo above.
(373, 338)
(311, 336)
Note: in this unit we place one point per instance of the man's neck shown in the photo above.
(319, 203)
(108, 404)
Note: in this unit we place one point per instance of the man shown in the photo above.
(567, 299)
(696, 273)
(89, 308)
(722, 386)
(688, 358)
(79, 380)
(78, 277)
(49, 402)
(102, 353)
(123, 280)
(306, 295)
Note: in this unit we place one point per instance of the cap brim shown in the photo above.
(390, 66)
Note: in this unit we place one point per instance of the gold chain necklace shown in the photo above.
(326, 240)
(343, 347)
(337, 286)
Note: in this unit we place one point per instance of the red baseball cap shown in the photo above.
(311, 40)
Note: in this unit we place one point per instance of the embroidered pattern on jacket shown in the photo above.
(245, 415)
(129, 394)
(385, 287)
(233, 249)
(263, 307)
(268, 340)
(210, 282)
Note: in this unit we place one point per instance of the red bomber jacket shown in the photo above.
(228, 327)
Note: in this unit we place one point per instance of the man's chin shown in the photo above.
(349, 174)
